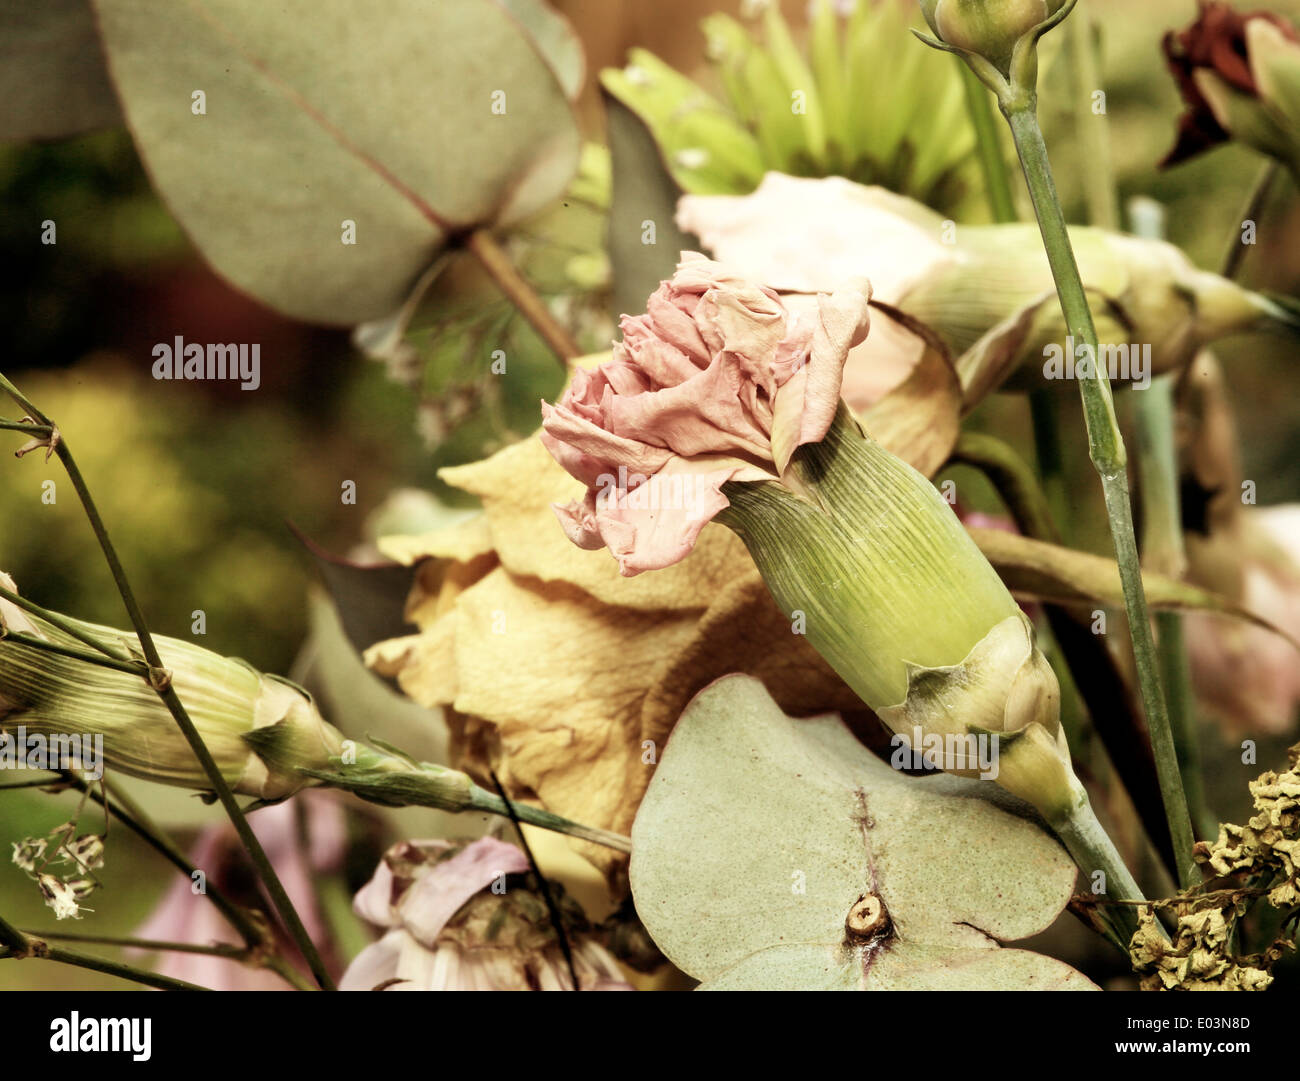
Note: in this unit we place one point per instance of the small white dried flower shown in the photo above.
(28, 853)
(87, 851)
(60, 897)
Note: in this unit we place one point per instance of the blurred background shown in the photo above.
(197, 481)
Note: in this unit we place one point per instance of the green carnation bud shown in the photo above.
(874, 567)
(261, 730)
(987, 28)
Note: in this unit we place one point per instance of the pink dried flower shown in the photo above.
(448, 932)
(186, 915)
(1245, 675)
(716, 382)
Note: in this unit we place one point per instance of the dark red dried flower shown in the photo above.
(1215, 41)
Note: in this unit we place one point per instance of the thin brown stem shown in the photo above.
(494, 260)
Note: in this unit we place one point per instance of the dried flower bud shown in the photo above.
(60, 896)
(988, 28)
(1237, 73)
(261, 730)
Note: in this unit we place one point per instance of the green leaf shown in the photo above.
(644, 196)
(52, 78)
(704, 144)
(1036, 569)
(759, 832)
(555, 39)
(315, 115)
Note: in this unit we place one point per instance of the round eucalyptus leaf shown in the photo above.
(320, 153)
(761, 835)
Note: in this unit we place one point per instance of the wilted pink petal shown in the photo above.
(806, 236)
(376, 964)
(448, 934)
(439, 893)
(186, 916)
(1247, 676)
(714, 383)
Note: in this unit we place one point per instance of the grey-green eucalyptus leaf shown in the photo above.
(759, 832)
(415, 120)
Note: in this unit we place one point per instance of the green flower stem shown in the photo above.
(242, 954)
(118, 804)
(483, 800)
(1093, 850)
(25, 426)
(1106, 449)
(494, 260)
(1164, 550)
(39, 949)
(395, 781)
(1094, 676)
(1163, 547)
(160, 680)
(19, 946)
(997, 177)
(216, 949)
(37, 782)
(1043, 404)
(12, 938)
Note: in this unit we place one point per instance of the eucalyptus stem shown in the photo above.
(988, 146)
(160, 679)
(493, 258)
(1106, 449)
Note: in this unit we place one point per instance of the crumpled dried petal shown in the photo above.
(1215, 42)
(714, 383)
(448, 932)
(551, 665)
(1269, 844)
(1198, 959)
(987, 291)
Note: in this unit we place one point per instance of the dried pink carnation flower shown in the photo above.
(447, 931)
(716, 382)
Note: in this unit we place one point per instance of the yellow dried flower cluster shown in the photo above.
(1199, 957)
(1267, 849)
(1269, 844)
